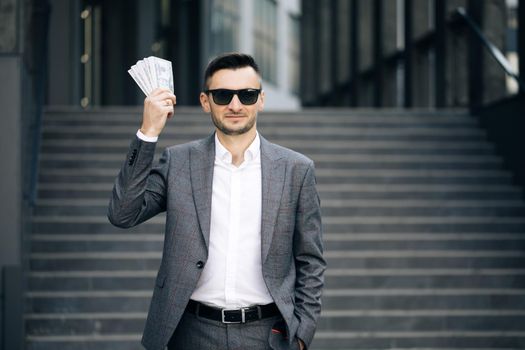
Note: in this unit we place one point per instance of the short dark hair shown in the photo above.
(229, 60)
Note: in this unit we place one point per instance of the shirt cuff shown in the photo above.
(143, 137)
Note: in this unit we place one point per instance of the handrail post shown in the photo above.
(493, 50)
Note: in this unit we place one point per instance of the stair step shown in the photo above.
(418, 172)
(427, 278)
(177, 136)
(424, 302)
(138, 301)
(415, 241)
(335, 278)
(391, 188)
(436, 210)
(329, 157)
(85, 323)
(83, 283)
(335, 223)
(100, 243)
(344, 241)
(324, 176)
(196, 115)
(332, 320)
(88, 263)
(125, 341)
(98, 131)
(75, 263)
(93, 228)
(424, 230)
(449, 339)
(42, 263)
(329, 192)
(484, 226)
(75, 304)
(374, 166)
(422, 320)
(101, 229)
(315, 153)
(321, 179)
(346, 144)
(386, 262)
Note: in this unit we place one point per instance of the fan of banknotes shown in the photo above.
(151, 73)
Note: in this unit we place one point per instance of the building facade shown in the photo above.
(361, 53)
(93, 43)
(406, 53)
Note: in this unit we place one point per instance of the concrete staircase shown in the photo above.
(424, 231)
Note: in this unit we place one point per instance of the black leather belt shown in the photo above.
(242, 315)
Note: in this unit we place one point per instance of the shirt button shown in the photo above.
(200, 264)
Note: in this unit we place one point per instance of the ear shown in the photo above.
(261, 101)
(205, 102)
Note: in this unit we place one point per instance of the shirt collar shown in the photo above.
(251, 153)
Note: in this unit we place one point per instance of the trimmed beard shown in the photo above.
(232, 132)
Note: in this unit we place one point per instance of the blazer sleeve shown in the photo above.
(139, 192)
(309, 261)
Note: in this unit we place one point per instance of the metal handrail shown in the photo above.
(493, 50)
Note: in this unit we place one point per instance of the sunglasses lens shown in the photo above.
(222, 96)
(248, 96)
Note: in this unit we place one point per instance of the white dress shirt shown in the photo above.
(232, 276)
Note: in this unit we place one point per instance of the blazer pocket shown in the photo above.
(278, 339)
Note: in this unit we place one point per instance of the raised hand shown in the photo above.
(158, 108)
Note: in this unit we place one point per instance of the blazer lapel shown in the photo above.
(273, 172)
(202, 159)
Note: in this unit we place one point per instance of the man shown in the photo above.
(242, 265)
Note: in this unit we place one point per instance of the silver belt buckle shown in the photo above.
(243, 315)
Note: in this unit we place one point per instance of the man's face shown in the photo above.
(234, 118)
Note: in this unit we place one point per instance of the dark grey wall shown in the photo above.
(23, 33)
(64, 53)
(113, 52)
(437, 63)
(11, 175)
(10, 184)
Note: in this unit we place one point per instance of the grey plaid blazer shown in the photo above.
(181, 185)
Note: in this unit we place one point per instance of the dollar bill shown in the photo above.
(163, 73)
(151, 73)
(137, 79)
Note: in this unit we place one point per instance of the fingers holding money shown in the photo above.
(163, 94)
(158, 107)
(170, 103)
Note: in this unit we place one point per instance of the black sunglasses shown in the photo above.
(224, 96)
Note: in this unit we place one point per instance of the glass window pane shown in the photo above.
(265, 33)
(224, 26)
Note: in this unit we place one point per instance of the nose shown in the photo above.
(235, 104)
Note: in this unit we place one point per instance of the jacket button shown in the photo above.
(132, 157)
(200, 264)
